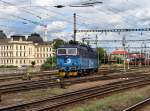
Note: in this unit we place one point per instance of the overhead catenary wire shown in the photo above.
(65, 18)
(125, 18)
(39, 16)
(27, 11)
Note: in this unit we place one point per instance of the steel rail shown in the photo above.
(60, 100)
(6, 77)
(28, 85)
(137, 105)
(17, 76)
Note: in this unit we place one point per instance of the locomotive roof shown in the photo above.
(80, 46)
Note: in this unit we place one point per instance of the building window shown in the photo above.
(20, 47)
(16, 61)
(24, 47)
(20, 61)
(24, 61)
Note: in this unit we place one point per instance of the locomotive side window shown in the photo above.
(72, 51)
(61, 51)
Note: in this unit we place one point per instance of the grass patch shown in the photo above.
(57, 91)
(113, 103)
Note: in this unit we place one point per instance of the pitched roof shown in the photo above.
(36, 38)
(18, 37)
(119, 51)
(2, 35)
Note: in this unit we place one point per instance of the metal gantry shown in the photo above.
(115, 30)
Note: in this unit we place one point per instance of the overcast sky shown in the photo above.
(27, 16)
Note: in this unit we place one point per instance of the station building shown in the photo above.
(119, 53)
(19, 50)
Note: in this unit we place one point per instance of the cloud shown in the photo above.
(110, 14)
(8, 10)
(54, 26)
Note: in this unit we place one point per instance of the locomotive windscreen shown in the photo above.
(61, 51)
(72, 51)
(67, 51)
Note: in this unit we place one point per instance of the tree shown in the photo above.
(33, 63)
(49, 63)
(102, 55)
(57, 42)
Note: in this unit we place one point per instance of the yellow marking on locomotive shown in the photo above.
(73, 73)
(62, 74)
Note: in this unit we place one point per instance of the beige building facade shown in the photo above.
(22, 52)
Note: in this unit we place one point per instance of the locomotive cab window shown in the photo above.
(61, 51)
(72, 51)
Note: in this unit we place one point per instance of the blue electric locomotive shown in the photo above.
(74, 59)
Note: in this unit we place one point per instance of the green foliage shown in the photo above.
(119, 60)
(57, 43)
(33, 63)
(111, 102)
(102, 55)
(49, 63)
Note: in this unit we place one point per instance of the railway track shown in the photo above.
(17, 76)
(136, 106)
(9, 77)
(44, 83)
(51, 103)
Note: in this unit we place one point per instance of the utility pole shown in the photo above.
(30, 3)
(75, 30)
(123, 44)
(45, 34)
(128, 60)
(145, 53)
(97, 49)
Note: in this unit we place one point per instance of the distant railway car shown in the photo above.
(136, 59)
(74, 59)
